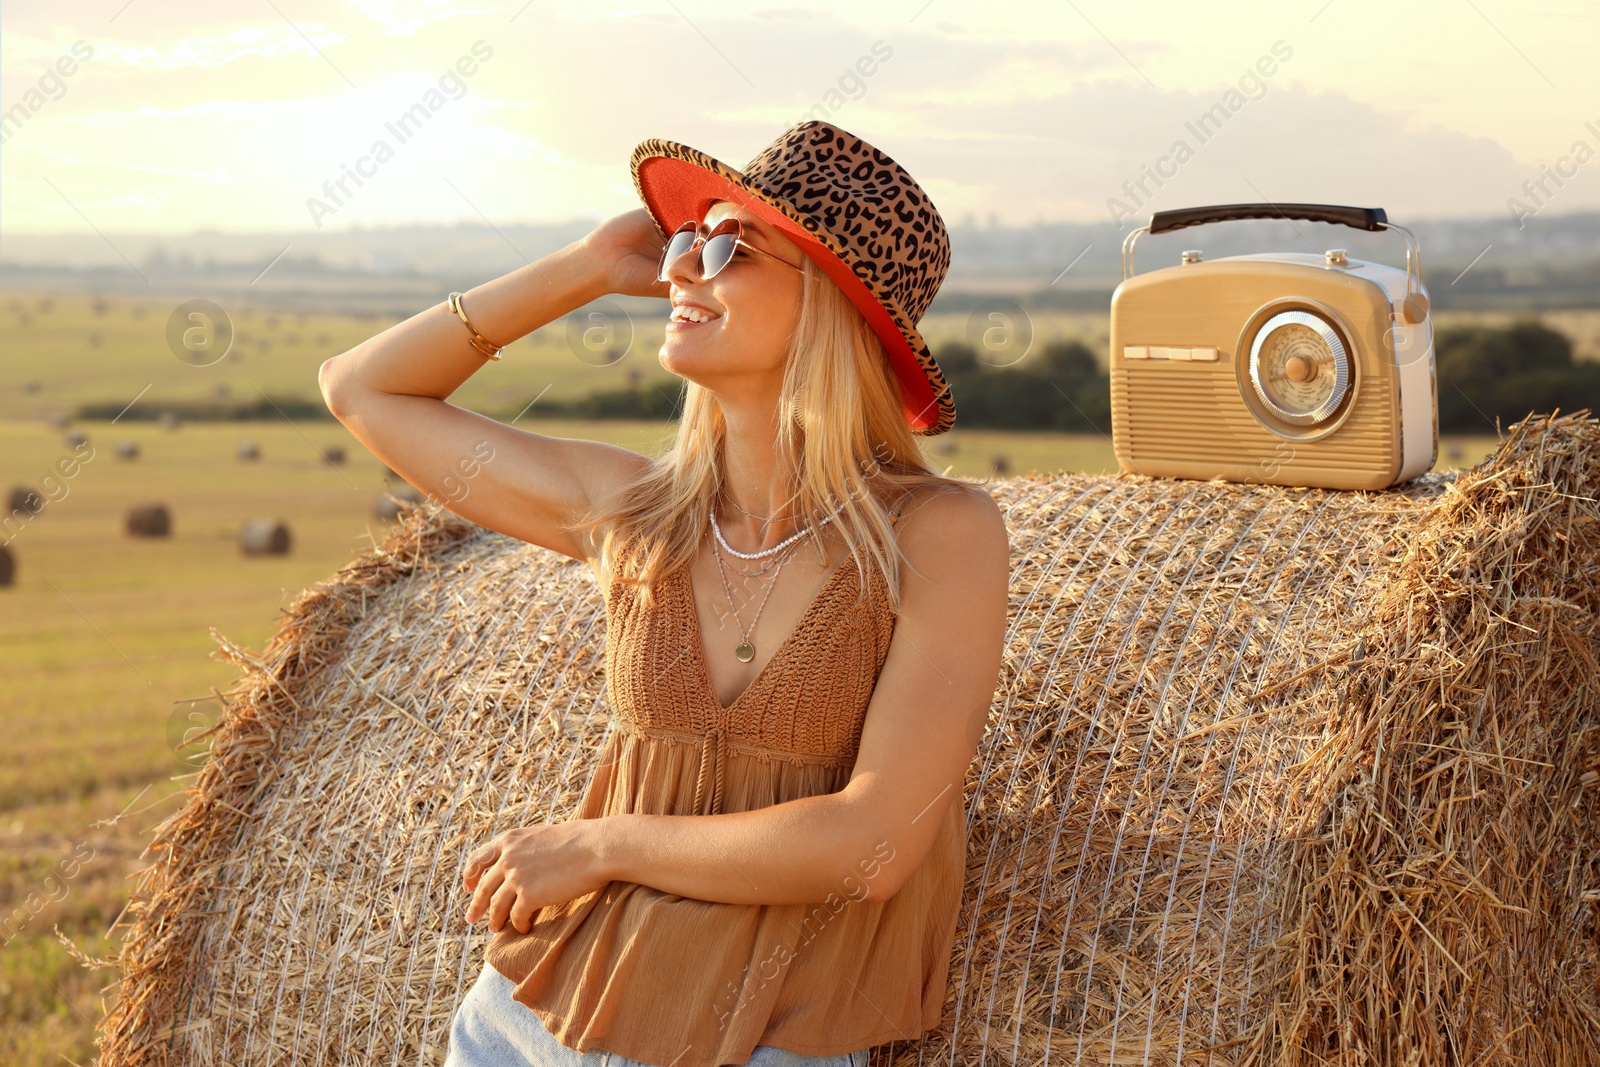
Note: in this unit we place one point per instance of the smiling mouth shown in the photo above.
(682, 322)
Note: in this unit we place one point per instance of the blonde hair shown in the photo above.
(842, 434)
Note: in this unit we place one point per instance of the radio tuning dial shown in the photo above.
(1299, 367)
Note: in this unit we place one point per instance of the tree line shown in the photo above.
(1485, 374)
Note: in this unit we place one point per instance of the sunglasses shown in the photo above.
(716, 248)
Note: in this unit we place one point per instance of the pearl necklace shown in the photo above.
(780, 546)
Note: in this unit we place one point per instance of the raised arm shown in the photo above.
(391, 392)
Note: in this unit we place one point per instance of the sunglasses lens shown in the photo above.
(680, 243)
(716, 253)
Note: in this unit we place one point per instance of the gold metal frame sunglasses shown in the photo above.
(716, 248)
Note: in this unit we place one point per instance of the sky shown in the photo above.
(171, 116)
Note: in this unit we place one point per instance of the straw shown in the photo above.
(1273, 776)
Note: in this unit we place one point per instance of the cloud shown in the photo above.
(1064, 156)
(244, 42)
(398, 18)
(1019, 112)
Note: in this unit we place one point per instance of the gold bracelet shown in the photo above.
(474, 338)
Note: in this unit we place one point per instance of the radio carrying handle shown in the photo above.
(1360, 218)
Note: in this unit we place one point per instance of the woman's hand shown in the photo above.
(626, 251)
(527, 867)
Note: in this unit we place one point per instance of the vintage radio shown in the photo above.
(1280, 368)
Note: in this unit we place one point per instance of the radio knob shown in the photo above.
(1337, 257)
(1192, 256)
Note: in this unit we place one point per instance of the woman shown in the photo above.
(767, 862)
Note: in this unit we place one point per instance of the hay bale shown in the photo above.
(31, 385)
(24, 500)
(170, 420)
(8, 566)
(248, 451)
(1274, 776)
(391, 506)
(127, 450)
(333, 455)
(148, 520)
(77, 439)
(265, 537)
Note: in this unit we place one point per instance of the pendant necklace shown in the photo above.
(766, 520)
(745, 650)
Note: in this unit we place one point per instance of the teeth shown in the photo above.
(692, 314)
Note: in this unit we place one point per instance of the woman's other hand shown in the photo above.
(626, 252)
(527, 867)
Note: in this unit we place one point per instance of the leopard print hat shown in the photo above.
(857, 213)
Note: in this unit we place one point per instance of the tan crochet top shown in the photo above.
(667, 979)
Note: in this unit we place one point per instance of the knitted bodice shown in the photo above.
(806, 704)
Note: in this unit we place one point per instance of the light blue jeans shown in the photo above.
(490, 1029)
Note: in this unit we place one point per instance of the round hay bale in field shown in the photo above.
(31, 385)
(248, 451)
(265, 537)
(24, 499)
(77, 439)
(57, 420)
(170, 420)
(333, 455)
(148, 520)
(8, 566)
(127, 450)
(1272, 776)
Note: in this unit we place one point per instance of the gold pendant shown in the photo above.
(745, 651)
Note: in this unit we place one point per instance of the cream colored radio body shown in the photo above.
(1280, 368)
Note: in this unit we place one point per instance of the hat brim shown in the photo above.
(677, 184)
